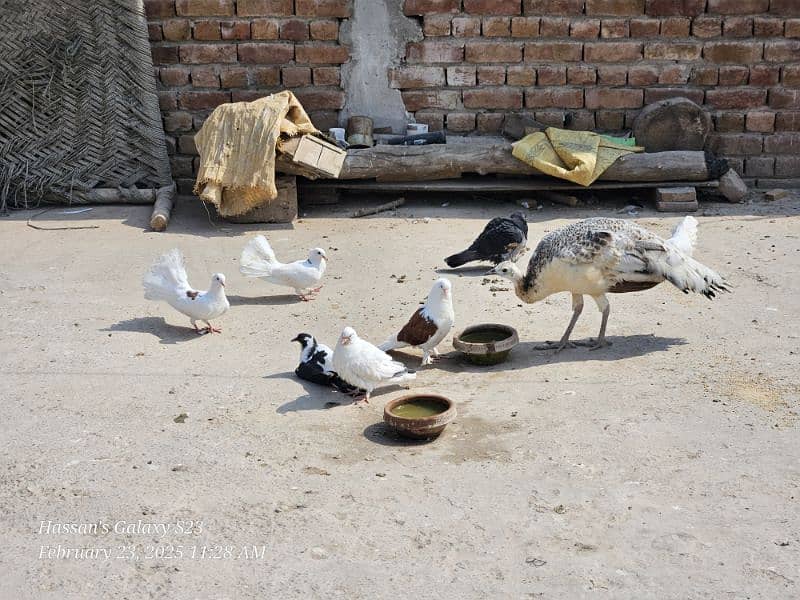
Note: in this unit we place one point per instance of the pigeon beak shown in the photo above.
(296, 339)
(345, 341)
(222, 284)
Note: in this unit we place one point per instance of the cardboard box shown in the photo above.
(313, 155)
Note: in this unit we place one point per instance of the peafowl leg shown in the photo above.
(605, 309)
(577, 307)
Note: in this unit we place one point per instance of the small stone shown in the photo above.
(179, 468)
(560, 509)
(318, 553)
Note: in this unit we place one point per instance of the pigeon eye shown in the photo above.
(505, 270)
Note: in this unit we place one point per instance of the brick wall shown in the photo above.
(598, 61)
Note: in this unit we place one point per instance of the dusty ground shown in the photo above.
(666, 466)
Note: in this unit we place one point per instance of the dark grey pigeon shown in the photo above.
(503, 238)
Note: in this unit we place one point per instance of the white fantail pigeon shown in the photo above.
(258, 260)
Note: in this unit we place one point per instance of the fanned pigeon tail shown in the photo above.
(462, 258)
(258, 258)
(165, 277)
(392, 343)
(403, 376)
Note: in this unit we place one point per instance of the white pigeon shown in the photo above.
(166, 280)
(600, 255)
(366, 366)
(429, 325)
(258, 260)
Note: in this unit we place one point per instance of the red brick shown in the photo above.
(154, 33)
(768, 27)
(461, 76)
(610, 120)
(466, 27)
(423, 7)
(787, 166)
(164, 55)
(674, 74)
(434, 52)
(551, 118)
(612, 51)
(321, 98)
(783, 98)
(181, 166)
(320, 54)
(206, 30)
(764, 75)
(490, 122)
(707, 27)
(177, 29)
(295, 76)
(613, 98)
(233, 77)
(644, 28)
(267, 54)
(553, 51)
(669, 8)
(204, 8)
(551, 75)
(432, 118)
(787, 121)
(760, 121)
(248, 95)
(623, 8)
(264, 29)
(418, 99)
(491, 52)
(737, 27)
(326, 75)
(702, 75)
(791, 75)
(786, 51)
(235, 30)
(614, 28)
(792, 28)
(675, 27)
(657, 94)
(786, 8)
(736, 98)
(525, 27)
(743, 53)
(759, 166)
(733, 75)
(554, 97)
(205, 77)
(582, 120)
(553, 7)
(493, 7)
(413, 77)
(728, 122)
(265, 76)
(294, 29)
(642, 75)
(496, 27)
(553, 27)
(460, 122)
(734, 143)
(586, 29)
(186, 143)
(521, 75)
(174, 76)
(738, 7)
(581, 75)
(491, 75)
(326, 30)
(499, 97)
(264, 8)
(782, 143)
(612, 75)
(436, 25)
(194, 54)
(323, 8)
(202, 100)
(159, 9)
(672, 51)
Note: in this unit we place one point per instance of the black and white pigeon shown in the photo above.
(503, 238)
(316, 364)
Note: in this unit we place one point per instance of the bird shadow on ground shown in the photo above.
(157, 326)
(381, 433)
(317, 397)
(526, 355)
(281, 300)
(466, 271)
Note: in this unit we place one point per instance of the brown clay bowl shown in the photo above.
(419, 428)
(486, 344)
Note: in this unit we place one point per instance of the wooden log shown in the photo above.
(405, 163)
(106, 196)
(374, 210)
(162, 209)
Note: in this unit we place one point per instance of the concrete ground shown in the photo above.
(666, 466)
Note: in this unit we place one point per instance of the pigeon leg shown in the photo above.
(196, 328)
(605, 309)
(426, 358)
(577, 307)
(316, 289)
(358, 399)
(212, 329)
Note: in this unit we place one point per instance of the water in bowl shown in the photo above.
(485, 336)
(419, 408)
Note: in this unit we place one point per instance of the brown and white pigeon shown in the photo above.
(429, 325)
